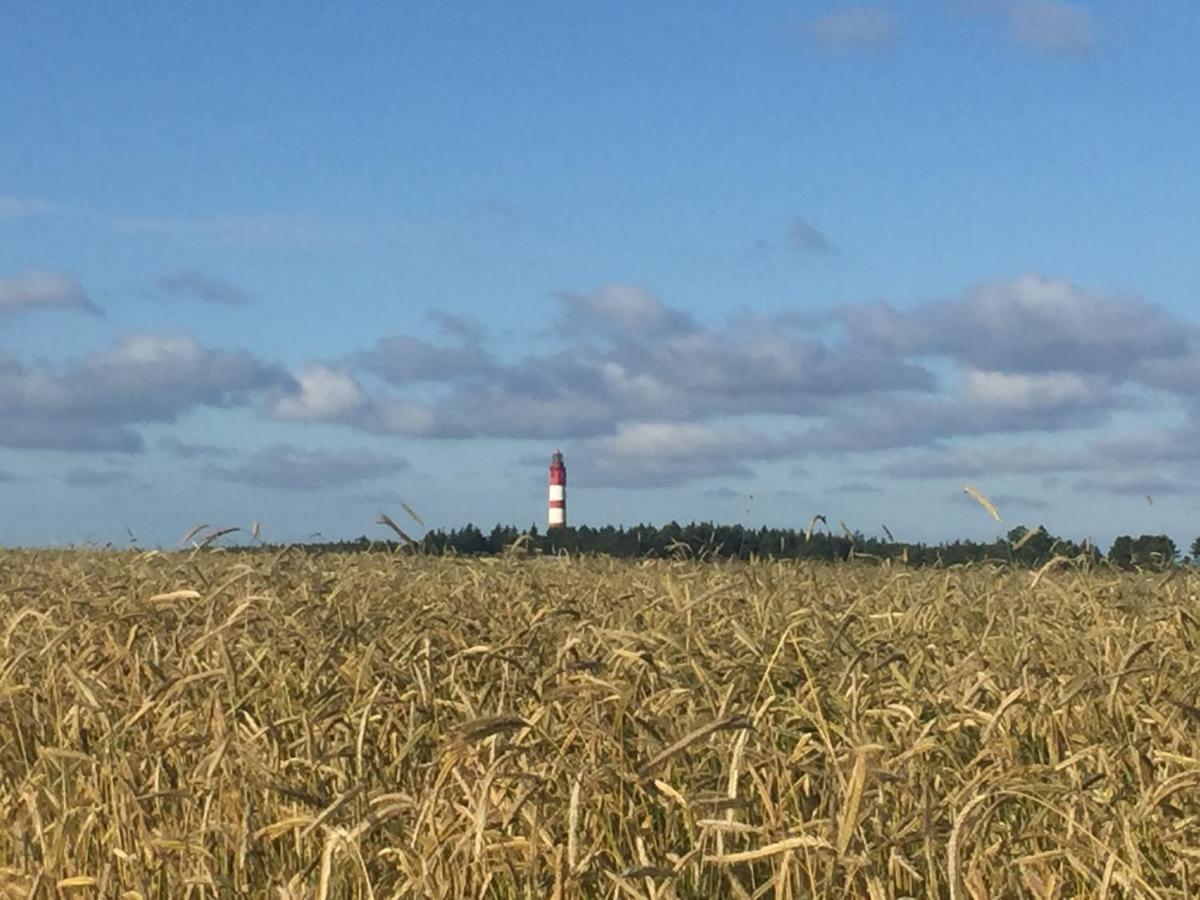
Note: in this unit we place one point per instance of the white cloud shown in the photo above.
(1028, 324)
(854, 27)
(320, 394)
(1051, 26)
(467, 329)
(85, 477)
(647, 395)
(250, 228)
(623, 308)
(93, 403)
(1025, 355)
(670, 441)
(43, 290)
(402, 359)
(293, 468)
(189, 450)
(192, 285)
(974, 461)
(855, 487)
(1050, 390)
(23, 207)
(653, 362)
(404, 419)
(154, 350)
(235, 228)
(666, 453)
(804, 237)
(1056, 27)
(1139, 486)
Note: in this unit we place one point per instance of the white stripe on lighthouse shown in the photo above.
(557, 492)
(557, 516)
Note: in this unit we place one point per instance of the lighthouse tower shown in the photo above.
(556, 513)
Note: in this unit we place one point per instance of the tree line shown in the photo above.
(707, 540)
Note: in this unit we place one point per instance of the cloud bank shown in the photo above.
(645, 393)
(95, 403)
(649, 394)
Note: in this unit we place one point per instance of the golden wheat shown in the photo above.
(285, 725)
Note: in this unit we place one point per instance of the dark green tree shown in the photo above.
(1148, 551)
(1121, 552)
(1155, 551)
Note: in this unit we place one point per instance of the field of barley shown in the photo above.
(381, 725)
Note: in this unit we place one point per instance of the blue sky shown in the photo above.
(294, 264)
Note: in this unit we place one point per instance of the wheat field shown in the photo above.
(283, 725)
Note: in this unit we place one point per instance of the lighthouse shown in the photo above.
(556, 513)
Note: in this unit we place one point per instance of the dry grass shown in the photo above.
(283, 726)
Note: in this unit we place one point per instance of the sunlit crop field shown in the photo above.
(379, 725)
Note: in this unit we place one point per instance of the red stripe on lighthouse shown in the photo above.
(556, 511)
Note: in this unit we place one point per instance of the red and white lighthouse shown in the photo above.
(556, 513)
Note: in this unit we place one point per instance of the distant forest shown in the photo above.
(705, 540)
